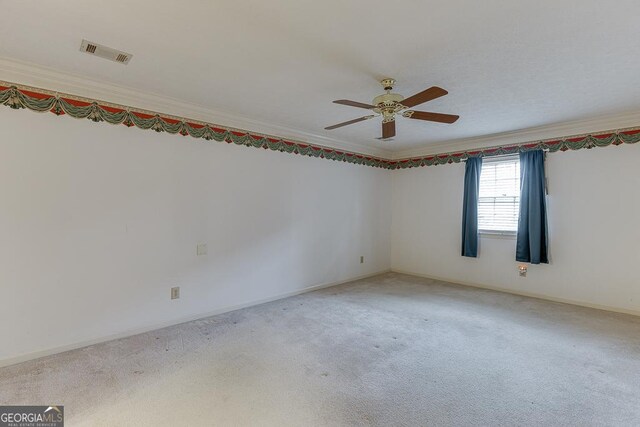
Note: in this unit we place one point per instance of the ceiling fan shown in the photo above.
(390, 104)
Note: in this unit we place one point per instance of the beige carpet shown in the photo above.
(393, 350)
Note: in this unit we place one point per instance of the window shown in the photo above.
(499, 198)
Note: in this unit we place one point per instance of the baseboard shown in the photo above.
(524, 294)
(152, 327)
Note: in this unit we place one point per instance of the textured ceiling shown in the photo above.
(507, 65)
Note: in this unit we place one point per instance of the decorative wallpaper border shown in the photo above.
(40, 100)
(18, 96)
(578, 142)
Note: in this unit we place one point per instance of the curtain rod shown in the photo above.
(545, 150)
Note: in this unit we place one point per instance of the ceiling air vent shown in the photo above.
(105, 52)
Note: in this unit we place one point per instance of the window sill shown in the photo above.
(495, 234)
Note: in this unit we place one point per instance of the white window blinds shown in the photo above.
(499, 198)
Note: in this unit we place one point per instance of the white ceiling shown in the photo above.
(507, 65)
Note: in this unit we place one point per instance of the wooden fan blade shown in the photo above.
(350, 122)
(424, 96)
(388, 129)
(433, 117)
(354, 104)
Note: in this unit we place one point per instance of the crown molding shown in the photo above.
(39, 76)
(577, 127)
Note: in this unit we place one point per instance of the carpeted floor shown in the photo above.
(393, 350)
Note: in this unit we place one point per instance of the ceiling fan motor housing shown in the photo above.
(388, 105)
(387, 99)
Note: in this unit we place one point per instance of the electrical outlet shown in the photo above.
(201, 249)
(522, 269)
(175, 292)
(361, 259)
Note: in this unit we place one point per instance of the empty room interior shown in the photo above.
(334, 213)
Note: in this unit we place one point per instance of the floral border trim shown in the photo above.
(40, 100)
(18, 96)
(604, 139)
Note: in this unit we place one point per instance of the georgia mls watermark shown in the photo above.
(32, 416)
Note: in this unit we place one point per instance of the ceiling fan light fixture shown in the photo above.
(388, 116)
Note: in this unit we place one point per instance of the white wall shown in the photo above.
(594, 216)
(97, 222)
